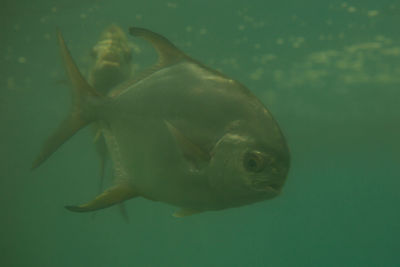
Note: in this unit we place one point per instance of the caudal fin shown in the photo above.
(80, 114)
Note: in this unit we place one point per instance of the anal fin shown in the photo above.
(110, 197)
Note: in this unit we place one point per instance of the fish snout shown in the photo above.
(270, 186)
(270, 180)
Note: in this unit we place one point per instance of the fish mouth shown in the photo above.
(266, 186)
(111, 57)
(107, 64)
(110, 54)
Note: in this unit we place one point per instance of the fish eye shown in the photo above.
(253, 161)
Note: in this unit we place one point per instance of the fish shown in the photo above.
(111, 66)
(112, 60)
(180, 133)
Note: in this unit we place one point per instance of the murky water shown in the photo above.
(329, 72)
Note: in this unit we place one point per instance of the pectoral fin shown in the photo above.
(194, 153)
(112, 196)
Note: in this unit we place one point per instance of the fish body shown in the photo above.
(182, 134)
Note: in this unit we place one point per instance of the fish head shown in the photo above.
(112, 59)
(250, 163)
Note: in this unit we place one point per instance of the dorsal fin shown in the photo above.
(168, 53)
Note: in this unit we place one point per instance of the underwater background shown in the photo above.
(329, 71)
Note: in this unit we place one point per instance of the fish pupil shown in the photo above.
(253, 162)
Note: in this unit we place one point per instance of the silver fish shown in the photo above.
(180, 133)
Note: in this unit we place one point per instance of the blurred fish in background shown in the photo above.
(111, 65)
(112, 56)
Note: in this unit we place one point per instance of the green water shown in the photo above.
(328, 70)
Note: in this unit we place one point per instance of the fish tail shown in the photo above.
(82, 112)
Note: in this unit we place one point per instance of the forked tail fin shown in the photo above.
(82, 113)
